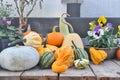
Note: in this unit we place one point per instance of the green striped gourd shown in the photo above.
(79, 52)
(46, 60)
(81, 57)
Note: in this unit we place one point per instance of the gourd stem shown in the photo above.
(74, 44)
(69, 25)
(54, 28)
(75, 47)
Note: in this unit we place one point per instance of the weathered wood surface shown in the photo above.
(8, 75)
(39, 74)
(77, 74)
(108, 70)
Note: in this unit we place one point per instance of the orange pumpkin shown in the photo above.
(55, 38)
(118, 53)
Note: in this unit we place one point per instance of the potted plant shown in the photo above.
(100, 36)
(7, 31)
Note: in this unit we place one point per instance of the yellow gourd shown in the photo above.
(97, 56)
(46, 48)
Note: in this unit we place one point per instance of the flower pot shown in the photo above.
(4, 43)
(111, 53)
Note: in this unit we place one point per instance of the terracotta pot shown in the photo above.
(111, 53)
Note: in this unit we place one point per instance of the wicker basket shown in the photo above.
(111, 53)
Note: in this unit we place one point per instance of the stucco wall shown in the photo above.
(89, 8)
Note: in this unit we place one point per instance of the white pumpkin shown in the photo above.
(19, 58)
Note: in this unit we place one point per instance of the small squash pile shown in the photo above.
(58, 51)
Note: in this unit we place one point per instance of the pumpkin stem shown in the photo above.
(45, 42)
(29, 28)
(54, 28)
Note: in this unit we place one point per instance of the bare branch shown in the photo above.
(31, 8)
(17, 7)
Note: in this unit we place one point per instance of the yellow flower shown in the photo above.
(118, 27)
(102, 20)
(92, 25)
(118, 33)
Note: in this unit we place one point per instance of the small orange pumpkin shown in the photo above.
(55, 38)
(118, 53)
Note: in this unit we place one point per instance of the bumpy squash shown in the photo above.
(19, 58)
(97, 56)
(46, 48)
(64, 58)
(32, 38)
(46, 60)
(66, 53)
(55, 38)
(81, 63)
(59, 67)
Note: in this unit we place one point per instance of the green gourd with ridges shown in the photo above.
(46, 60)
(79, 53)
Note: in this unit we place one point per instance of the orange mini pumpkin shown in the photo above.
(55, 38)
(118, 53)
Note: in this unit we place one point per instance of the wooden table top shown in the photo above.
(108, 70)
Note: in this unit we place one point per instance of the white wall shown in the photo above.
(89, 8)
(95, 8)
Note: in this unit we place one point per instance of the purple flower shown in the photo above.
(97, 28)
(98, 34)
(1, 22)
(109, 26)
(8, 23)
(4, 18)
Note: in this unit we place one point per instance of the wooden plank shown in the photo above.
(107, 70)
(9, 75)
(77, 74)
(39, 74)
(117, 62)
